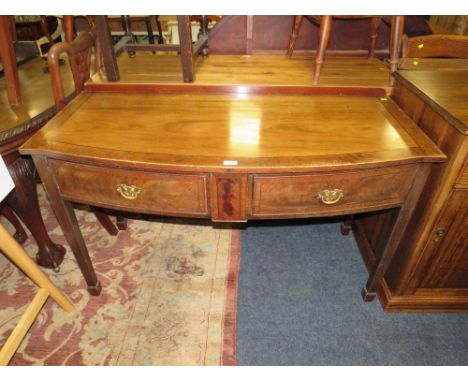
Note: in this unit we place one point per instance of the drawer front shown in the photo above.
(139, 191)
(328, 194)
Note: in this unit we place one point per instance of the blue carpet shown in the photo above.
(299, 303)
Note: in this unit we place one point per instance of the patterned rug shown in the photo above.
(169, 297)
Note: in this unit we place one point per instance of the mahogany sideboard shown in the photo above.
(430, 269)
(231, 157)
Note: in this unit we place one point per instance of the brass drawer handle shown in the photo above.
(330, 196)
(129, 192)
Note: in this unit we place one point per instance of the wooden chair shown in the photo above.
(436, 45)
(16, 253)
(325, 23)
(79, 56)
(127, 26)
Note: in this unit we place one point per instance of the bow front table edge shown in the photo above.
(232, 157)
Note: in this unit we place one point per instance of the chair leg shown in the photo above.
(324, 36)
(127, 27)
(16, 253)
(20, 258)
(160, 33)
(375, 22)
(20, 234)
(295, 31)
(149, 30)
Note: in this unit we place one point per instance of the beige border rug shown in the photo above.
(169, 297)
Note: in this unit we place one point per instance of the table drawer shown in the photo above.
(139, 191)
(328, 194)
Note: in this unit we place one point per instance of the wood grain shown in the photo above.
(163, 194)
(291, 133)
(429, 270)
(445, 91)
(251, 70)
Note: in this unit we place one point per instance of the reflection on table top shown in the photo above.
(256, 131)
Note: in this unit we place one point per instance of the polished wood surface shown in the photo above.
(296, 195)
(430, 269)
(433, 64)
(166, 194)
(446, 91)
(251, 70)
(8, 58)
(436, 45)
(208, 155)
(79, 54)
(256, 131)
(36, 93)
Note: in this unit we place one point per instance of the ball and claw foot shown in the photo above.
(50, 256)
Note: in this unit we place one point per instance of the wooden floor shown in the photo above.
(36, 93)
(252, 70)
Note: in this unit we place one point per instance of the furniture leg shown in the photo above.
(186, 52)
(23, 200)
(375, 22)
(121, 223)
(204, 32)
(295, 32)
(107, 48)
(401, 217)
(18, 256)
(69, 27)
(324, 36)
(20, 234)
(396, 35)
(8, 56)
(45, 29)
(149, 30)
(67, 220)
(347, 225)
(105, 221)
(127, 25)
(160, 33)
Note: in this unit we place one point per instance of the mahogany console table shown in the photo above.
(228, 155)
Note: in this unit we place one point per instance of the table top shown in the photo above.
(433, 64)
(37, 104)
(233, 132)
(447, 91)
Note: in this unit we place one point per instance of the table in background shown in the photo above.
(17, 124)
